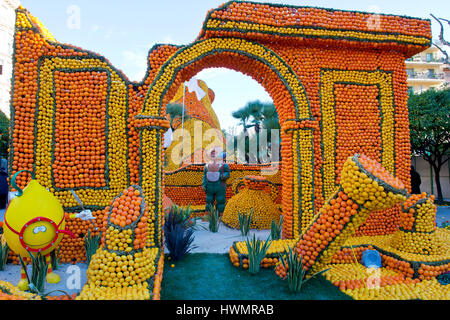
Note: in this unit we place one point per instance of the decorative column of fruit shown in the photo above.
(151, 131)
(123, 264)
(365, 187)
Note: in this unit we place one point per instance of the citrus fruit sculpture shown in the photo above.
(365, 187)
(418, 233)
(123, 264)
(256, 198)
(34, 223)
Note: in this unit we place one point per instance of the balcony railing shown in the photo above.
(425, 60)
(426, 75)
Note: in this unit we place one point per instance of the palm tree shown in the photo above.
(258, 115)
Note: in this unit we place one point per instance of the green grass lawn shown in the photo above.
(205, 276)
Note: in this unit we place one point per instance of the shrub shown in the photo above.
(4, 249)
(213, 219)
(55, 258)
(244, 222)
(178, 241)
(275, 229)
(256, 252)
(180, 215)
(295, 272)
(91, 244)
(38, 272)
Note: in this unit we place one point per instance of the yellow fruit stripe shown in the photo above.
(117, 113)
(22, 20)
(353, 271)
(424, 290)
(42, 28)
(150, 163)
(327, 81)
(277, 246)
(296, 184)
(201, 48)
(92, 292)
(373, 290)
(307, 180)
(384, 242)
(19, 294)
(221, 25)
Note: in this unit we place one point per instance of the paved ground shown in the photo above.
(443, 215)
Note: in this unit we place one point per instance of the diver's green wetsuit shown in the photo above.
(216, 190)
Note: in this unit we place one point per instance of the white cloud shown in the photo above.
(135, 58)
(212, 73)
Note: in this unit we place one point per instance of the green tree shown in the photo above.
(429, 118)
(175, 110)
(4, 135)
(258, 115)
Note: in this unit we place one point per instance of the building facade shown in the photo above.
(7, 19)
(426, 70)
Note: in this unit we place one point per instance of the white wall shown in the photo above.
(7, 20)
(423, 168)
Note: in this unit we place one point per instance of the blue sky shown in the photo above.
(124, 31)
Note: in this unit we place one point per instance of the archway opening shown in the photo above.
(283, 86)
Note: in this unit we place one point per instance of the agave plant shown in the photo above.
(39, 267)
(213, 219)
(178, 241)
(4, 249)
(55, 258)
(244, 222)
(91, 244)
(257, 249)
(180, 215)
(295, 272)
(275, 229)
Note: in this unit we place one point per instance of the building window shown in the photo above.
(431, 74)
(410, 72)
(430, 57)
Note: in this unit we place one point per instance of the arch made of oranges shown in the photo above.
(285, 88)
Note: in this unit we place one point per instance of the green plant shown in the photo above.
(257, 249)
(275, 229)
(4, 134)
(4, 249)
(178, 241)
(295, 272)
(213, 219)
(55, 258)
(429, 124)
(181, 215)
(91, 244)
(244, 222)
(38, 272)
